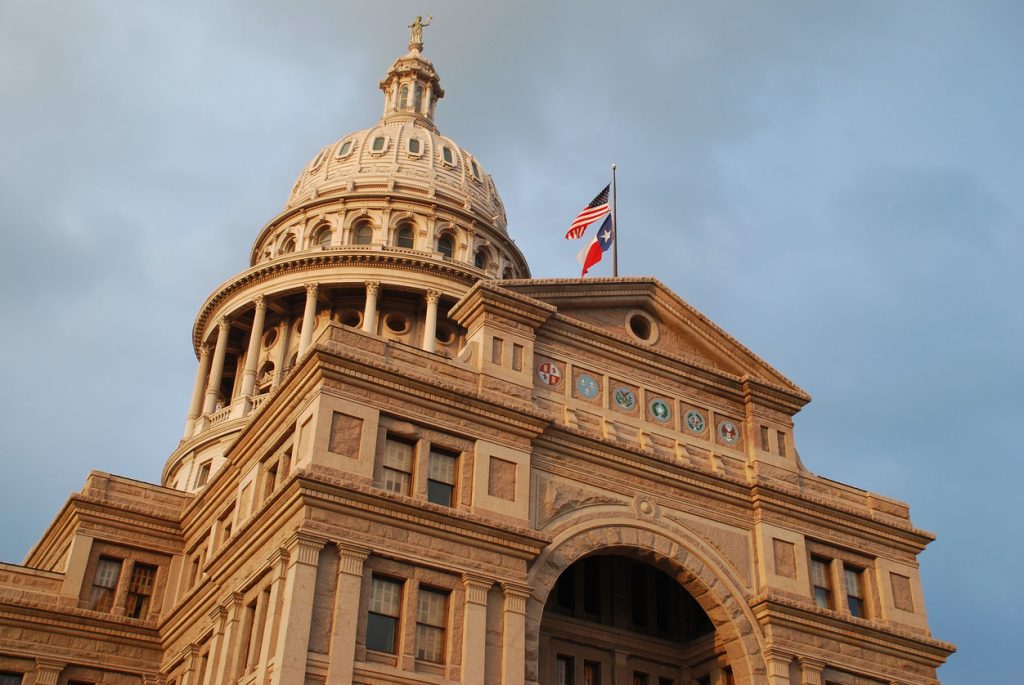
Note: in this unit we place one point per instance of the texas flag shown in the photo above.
(592, 253)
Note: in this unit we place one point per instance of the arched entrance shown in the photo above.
(627, 602)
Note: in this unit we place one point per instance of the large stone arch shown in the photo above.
(696, 566)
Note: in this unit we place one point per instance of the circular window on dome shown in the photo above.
(270, 337)
(352, 317)
(641, 327)
(346, 149)
(445, 334)
(397, 322)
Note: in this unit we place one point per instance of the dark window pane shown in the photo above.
(439, 493)
(380, 633)
(592, 585)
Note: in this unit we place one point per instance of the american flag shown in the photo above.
(597, 208)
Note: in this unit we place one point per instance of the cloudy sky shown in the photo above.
(837, 184)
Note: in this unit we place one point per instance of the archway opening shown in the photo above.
(613, 619)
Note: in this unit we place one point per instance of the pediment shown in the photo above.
(622, 307)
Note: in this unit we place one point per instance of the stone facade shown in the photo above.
(405, 461)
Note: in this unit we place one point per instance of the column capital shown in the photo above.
(477, 588)
(777, 662)
(304, 548)
(432, 296)
(352, 558)
(204, 349)
(222, 323)
(153, 679)
(516, 596)
(810, 670)
(260, 301)
(311, 289)
(372, 287)
(48, 671)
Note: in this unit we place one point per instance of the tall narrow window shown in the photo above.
(403, 236)
(447, 155)
(203, 474)
(403, 97)
(323, 237)
(782, 443)
(441, 478)
(640, 678)
(591, 672)
(431, 620)
(417, 97)
(445, 246)
(363, 234)
(821, 583)
(854, 590)
(480, 259)
(397, 473)
(384, 612)
(728, 677)
(104, 584)
(764, 438)
(140, 590)
(564, 671)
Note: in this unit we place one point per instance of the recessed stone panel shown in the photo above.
(501, 479)
(346, 433)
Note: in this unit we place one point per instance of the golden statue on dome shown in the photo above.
(416, 32)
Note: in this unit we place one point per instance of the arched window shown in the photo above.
(322, 237)
(417, 99)
(508, 273)
(480, 259)
(363, 235)
(403, 97)
(404, 236)
(446, 246)
(288, 246)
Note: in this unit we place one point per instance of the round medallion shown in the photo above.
(695, 421)
(586, 386)
(549, 374)
(625, 398)
(729, 433)
(660, 410)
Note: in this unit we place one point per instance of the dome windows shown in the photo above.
(417, 97)
(379, 145)
(363, 234)
(448, 155)
(403, 97)
(480, 259)
(475, 168)
(404, 236)
(415, 146)
(345, 149)
(288, 246)
(398, 323)
(446, 246)
(322, 237)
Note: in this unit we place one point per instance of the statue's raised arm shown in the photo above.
(416, 32)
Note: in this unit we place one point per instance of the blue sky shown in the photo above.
(837, 184)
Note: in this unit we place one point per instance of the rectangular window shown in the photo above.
(431, 621)
(10, 678)
(397, 473)
(140, 590)
(640, 678)
(564, 671)
(591, 672)
(497, 346)
(517, 357)
(441, 478)
(821, 582)
(764, 438)
(855, 590)
(728, 677)
(203, 474)
(782, 443)
(104, 584)
(384, 612)
(270, 481)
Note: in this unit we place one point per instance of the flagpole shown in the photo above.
(615, 230)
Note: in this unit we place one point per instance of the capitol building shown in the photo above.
(406, 461)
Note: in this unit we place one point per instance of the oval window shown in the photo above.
(397, 322)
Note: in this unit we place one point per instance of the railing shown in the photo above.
(219, 416)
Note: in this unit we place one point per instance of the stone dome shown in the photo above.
(402, 155)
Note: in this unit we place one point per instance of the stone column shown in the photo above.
(196, 405)
(810, 670)
(48, 671)
(284, 338)
(296, 610)
(430, 326)
(308, 318)
(252, 355)
(279, 575)
(217, 367)
(218, 645)
(513, 634)
(778, 666)
(224, 668)
(474, 629)
(370, 311)
(346, 606)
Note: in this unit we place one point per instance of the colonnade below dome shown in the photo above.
(247, 353)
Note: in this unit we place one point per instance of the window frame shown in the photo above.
(452, 487)
(827, 589)
(425, 623)
(386, 469)
(394, 620)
